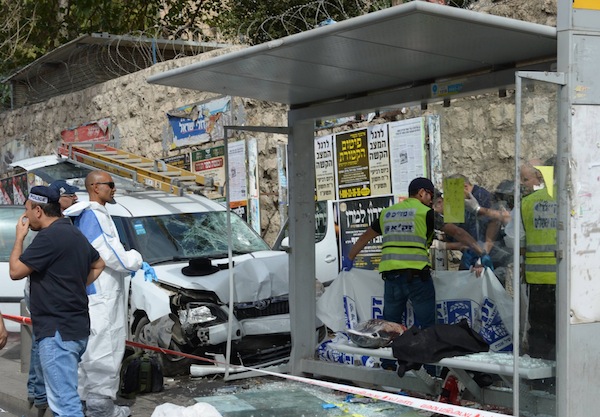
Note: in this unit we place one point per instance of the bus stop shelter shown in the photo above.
(408, 55)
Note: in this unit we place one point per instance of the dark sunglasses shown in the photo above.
(110, 184)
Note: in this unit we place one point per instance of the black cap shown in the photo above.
(44, 195)
(63, 187)
(418, 183)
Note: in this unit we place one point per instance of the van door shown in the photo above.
(327, 265)
(326, 242)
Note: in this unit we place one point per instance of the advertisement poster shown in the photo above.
(200, 122)
(253, 186)
(379, 160)
(352, 164)
(240, 208)
(210, 163)
(324, 172)
(237, 172)
(407, 153)
(179, 161)
(20, 189)
(97, 131)
(6, 191)
(355, 216)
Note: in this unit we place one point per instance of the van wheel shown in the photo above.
(172, 365)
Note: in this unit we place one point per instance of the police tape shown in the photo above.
(18, 319)
(405, 400)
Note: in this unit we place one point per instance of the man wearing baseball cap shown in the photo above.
(407, 228)
(67, 193)
(60, 263)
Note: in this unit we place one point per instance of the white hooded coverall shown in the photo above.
(100, 364)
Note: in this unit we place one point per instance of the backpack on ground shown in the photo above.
(140, 373)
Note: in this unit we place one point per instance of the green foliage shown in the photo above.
(257, 21)
(32, 28)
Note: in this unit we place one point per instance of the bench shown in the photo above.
(488, 362)
(500, 364)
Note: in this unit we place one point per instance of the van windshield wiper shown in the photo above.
(171, 259)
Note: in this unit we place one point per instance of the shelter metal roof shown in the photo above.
(408, 45)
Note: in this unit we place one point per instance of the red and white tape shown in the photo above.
(418, 403)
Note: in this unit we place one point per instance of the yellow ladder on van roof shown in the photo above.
(151, 173)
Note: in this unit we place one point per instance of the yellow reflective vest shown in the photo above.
(539, 214)
(404, 234)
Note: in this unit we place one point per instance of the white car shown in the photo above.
(190, 313)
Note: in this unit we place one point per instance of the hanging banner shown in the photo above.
(200, 122)
(379, 160)
(352, 164)
(355, 217)
(407, 153)
(324, 172)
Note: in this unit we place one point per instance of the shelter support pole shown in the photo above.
(301, 178)
(578, 180)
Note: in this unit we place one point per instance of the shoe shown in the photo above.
(41, 405)
(105, 407)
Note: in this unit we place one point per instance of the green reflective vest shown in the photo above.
(404, 235)
(538, 211)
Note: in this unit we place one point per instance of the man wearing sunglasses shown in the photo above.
(99, 367)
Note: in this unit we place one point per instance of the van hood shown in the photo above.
(257, 276)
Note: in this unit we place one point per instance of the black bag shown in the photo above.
(415, 346)
(140, 373)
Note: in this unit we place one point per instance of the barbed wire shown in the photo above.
(108, 57)
(319, 13)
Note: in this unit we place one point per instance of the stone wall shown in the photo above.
(477, 132)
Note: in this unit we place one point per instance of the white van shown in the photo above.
(190, 313)
(327, 263)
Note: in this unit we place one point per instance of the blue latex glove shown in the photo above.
(347, 264)
(90, 289)
(469, 258)
(487, 261)
(149, 274)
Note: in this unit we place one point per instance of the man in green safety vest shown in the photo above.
(407, 228)
(538, 212)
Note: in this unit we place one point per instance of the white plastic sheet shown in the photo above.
(357, 295)
(196, 410)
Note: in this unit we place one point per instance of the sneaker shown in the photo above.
(41, 405)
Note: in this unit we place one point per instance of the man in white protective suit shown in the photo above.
(100, 364)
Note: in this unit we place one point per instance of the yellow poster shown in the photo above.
(454, 200)
(586, 4)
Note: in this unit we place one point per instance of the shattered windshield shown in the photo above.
(191, 235)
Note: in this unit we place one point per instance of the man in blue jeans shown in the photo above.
(407, 228)
(36, 389)
(60, 263)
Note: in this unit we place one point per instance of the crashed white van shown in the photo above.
(187, 309)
